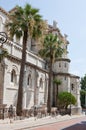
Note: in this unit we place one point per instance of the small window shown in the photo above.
(13, 76)
(65, 65)
(59, 64)
(65, 78)
(72, 86)
(29, 81)
(17, 40)
(41, 83)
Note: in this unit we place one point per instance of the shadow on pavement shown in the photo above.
(78, 126)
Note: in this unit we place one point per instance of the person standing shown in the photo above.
(10, 113)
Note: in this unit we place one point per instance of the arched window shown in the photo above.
(17, 40)
(29, 81)
(72, 86)
(41, 83)
(65, 78)
(13, 76)
(59, 64)
(65, 65)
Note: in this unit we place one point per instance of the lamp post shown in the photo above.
(3, 39)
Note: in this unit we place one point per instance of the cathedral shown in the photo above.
(35, 91)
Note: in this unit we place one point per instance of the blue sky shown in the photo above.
(71, 18)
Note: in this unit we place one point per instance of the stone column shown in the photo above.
(1, 83)
(35, 87)
(24, 100)
(24, 88)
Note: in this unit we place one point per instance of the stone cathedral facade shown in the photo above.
(36, 72)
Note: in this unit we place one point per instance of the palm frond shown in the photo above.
(52, 47)
(3, 53)
(57, 81)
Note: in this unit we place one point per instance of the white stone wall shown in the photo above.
(10, 89)
(61, 66)
(34, 93)
(76, 90)
(65, 83)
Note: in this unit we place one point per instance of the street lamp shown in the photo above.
(3, 39)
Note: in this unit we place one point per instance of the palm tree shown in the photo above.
(51, 50)
(57, 82)
(23, 23)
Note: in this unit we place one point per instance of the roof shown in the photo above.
(74, 76)
(12, 10)
(3, 11)
(66, 74)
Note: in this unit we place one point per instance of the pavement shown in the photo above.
(10, 124)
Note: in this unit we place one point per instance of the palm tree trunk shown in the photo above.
(56, 94)
(49, 88)
(20, 90)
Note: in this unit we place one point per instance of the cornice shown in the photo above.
(14, 59)
(3, 11)
(61, 74)
(63, 59)
(12, 10)
(74, 76)
(18, 60)
(66, 74)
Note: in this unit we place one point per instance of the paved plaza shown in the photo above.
(31, 123)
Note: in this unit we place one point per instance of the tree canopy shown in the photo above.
(51, 49)
(83, 90)
(65, 99)
(83, 82)
(25, 22)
